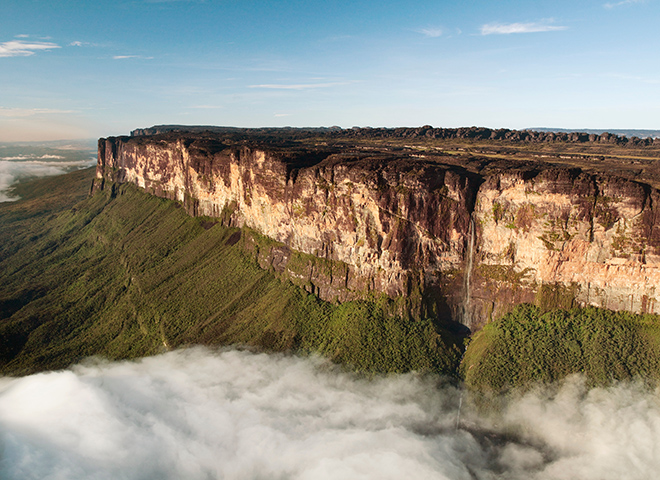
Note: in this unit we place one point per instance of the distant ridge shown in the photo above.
(158, 129)
(626, 138)
(622, 132)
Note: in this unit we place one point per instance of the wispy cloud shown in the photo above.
(21, 48)
(30, 112)
(207, 107)
(431, 32)
(78, 43)
(124, 57)
(508, 28)
(283, 114)
(300, 86)
(32, 156)
(175, 1)
(15, 168)
(610, 5)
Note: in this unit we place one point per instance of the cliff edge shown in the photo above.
(463, 236)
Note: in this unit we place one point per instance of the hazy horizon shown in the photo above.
(88, 70)
(553, 129)
(27, 160)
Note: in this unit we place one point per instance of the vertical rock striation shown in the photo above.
(401, 224)
(387, 224)
(560, 235)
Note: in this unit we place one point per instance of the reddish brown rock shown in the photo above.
(400, 223)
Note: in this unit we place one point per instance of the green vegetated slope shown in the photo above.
(528, 346)
(123, 274)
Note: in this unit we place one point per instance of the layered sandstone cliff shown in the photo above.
(466, 242)
(560, 234)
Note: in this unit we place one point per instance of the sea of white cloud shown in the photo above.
(15, 168)
(203, 414)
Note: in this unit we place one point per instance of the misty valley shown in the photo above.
(198, 413)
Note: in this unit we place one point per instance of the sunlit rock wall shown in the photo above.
(401, 225)
(559, 237)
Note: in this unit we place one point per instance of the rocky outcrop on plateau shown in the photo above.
(463, 243)
(427, 131)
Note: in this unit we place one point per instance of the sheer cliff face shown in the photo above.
(560, 235)
(393, 223)
(402, 225)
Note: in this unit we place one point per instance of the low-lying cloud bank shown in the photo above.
(198, 414)
(15, 168)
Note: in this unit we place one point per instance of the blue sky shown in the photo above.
(76, 69)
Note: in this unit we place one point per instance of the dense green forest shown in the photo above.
(123, 274)
(528, 346)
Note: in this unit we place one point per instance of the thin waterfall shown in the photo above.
(469, 260)
(468, 272)
(458, 413)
